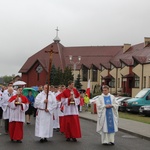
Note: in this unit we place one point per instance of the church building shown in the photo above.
(123, 67)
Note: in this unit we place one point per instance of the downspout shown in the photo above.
(142, 77)
(116, 79)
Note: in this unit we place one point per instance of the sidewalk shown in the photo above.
(133, 127)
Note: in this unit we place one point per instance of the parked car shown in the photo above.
(145, 110)
(122, 103)
(141, 99)
(118, 97)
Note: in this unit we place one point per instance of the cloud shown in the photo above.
(28, 26)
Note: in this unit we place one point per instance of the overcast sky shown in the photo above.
(27, 26)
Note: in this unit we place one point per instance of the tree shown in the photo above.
(78, 84)
(52, 75)
(67, 75)
(57, 77)
(7, 79)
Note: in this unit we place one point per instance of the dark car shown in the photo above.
(145, 110)
(123, 103)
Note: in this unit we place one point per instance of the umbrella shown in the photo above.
(26, 90)
(19, 83)
(35, 88)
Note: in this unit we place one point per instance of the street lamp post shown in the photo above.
(74, 64)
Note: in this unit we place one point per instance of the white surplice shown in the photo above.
(71, 109)
(17, 112)
(44, 120)
(56, 113)
(5, 106)
(101, 120)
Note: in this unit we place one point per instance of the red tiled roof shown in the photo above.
(128, 62)
(89, 55)
(140, 59)
(138, 52)
(43, 58)
(106, 65)
(117, 64)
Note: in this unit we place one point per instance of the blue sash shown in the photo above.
(109, 115)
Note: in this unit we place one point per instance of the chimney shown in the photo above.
(126, 47)
(146, 41)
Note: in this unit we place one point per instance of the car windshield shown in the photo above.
(141, 94)
(124, 98)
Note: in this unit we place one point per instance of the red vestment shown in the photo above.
(23, 98)
(71, 118)
(16, 130)
(58, 97)
(61, 123)
(16, 120)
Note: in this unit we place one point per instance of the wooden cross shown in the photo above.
(51, 52)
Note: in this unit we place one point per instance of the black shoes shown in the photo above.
(18, 141)
(68, 139)
(111, 143)
(105, 143)
(56, 129)
(73, 139)
(43, 140)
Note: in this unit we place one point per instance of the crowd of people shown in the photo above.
(55, 108)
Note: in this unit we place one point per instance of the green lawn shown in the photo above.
(135, 117)
(131, 116)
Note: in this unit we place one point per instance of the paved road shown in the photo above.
(139, 129)
(90, 141)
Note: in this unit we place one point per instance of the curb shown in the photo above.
(135, 134)
(87, 119)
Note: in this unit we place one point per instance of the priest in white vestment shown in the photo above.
(44, 117)
(107, 111)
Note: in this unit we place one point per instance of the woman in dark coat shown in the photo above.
(31, 106)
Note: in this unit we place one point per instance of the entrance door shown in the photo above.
(130, 85)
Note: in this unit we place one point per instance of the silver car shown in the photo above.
(145, 110)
